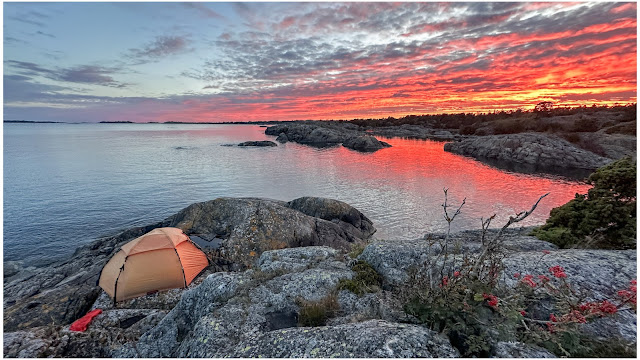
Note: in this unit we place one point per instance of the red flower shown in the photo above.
(625, 293)
(577, 317)
(523, 313)
(543, 278)
(528, 279)
(456, 273)
(607, 307)
(516, 275)
(551, 327)
(546, 252)
(492, 300)
(445, 281)
(553, 318)
(558, 271)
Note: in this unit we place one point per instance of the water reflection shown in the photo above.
(400, 187)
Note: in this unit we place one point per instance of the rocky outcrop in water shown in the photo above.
(308, 134)
(365, 143)
(543, 151)
(320, 136)
(264, 143)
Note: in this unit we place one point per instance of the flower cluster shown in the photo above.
(528, 279)
(558, 271)
(630, 295)
(597, 309)
(492, 300)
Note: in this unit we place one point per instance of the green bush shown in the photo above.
(366, 279)
(464, 319)
(604, 218)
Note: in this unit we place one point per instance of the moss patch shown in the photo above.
(366, 279)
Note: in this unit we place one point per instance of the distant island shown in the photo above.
(32, 122)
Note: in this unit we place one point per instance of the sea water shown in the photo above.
(68, 184)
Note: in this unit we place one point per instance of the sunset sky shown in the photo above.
(284, 61)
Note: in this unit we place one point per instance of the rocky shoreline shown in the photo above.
(542, 151)
(528, 152)
(276, 258)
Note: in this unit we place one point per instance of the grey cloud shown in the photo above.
(44, 34)
(89, 75)
(29, 68)
(13, 40)
(161, 47)
(19, 88)
(31, 17)
(84, 74)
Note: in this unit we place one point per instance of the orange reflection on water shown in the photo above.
(402, 187)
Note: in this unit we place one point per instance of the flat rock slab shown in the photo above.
(369, 339)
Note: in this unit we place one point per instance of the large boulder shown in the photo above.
(365, 143)
(541, 151)
(249, 226)
(335, 211)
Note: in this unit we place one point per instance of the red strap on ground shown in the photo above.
(82, 323)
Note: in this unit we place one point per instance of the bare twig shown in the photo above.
(494, 244)
(445, 249)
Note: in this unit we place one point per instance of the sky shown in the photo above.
(215, 62)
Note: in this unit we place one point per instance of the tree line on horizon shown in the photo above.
(460, 120)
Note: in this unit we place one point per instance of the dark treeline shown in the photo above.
(466, 122)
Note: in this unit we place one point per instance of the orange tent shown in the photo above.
(164, 258)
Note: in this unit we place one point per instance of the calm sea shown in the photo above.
(69, 184)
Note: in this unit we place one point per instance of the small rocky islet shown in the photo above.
(275, 257)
